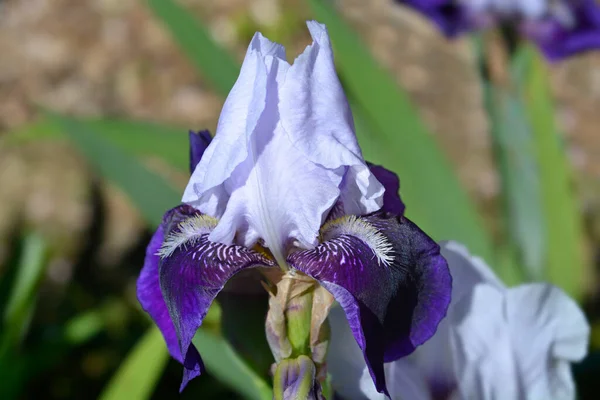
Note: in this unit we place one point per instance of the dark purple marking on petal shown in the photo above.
(190, 279)
(558, 41)
(198, 143)
(148, 286)
(392, 202)
(177, 291)
(450, 16)
(391, 309)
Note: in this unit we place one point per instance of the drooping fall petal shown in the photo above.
(389, 278)
(193, 270)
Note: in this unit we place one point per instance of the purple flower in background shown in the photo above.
(559, 27)
(496, 343)
(283, 186)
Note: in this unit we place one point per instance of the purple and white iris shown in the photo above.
(559, 27)
(283, 187)
(496, 343)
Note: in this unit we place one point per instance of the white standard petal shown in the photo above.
(548, 332)
(485, 365)
(240, 114)
(316, 117)
(467, 270)
(284, 152)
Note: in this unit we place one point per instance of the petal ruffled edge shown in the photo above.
(392, 308)
(148, 285)
(177, 289)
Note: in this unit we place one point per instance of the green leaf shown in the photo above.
(140, 138)
(429, 187)
(214, 62)
(225, 365)
(565, 265)
(515, 157)
(151, 194)
(141, 370)
(21, 302)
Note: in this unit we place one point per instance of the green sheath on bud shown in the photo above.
(297, 329)
(295, 380)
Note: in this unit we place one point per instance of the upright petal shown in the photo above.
(284, 152)
(318, 121)
(278, 195)
(192, 271)
(389, 278)
(239, 117)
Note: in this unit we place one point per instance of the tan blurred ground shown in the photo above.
(112, 58)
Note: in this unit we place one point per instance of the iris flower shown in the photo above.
(283, 187)
(560, 28)
(496, 343)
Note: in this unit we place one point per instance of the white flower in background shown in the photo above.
(495, 343)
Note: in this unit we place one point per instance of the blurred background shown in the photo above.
(72, 241)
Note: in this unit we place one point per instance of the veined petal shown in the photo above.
(279, 195)
(240, 114)
(317, 119)
(284, 152)
(389, 278)
(148, 285)
(192, 271)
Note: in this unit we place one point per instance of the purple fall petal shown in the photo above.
(392, 202)
(198, 143)
(148, 286)
(178, 290)
(558, 41)
(393, 308)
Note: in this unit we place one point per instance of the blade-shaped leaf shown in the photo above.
(141, 370)
(565, 264)
(215, 63)
(224, 364)
(21, 302)
(151, 194)
(140, 138)
(431, 190)
(514, 152)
